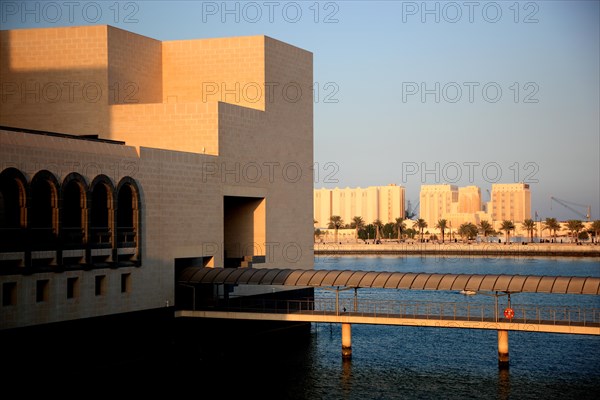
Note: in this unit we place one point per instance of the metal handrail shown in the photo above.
(480, 312)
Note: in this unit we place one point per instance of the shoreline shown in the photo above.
(465, 249)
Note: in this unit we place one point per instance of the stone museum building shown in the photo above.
(124, 159)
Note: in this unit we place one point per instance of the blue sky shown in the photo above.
(415, 92)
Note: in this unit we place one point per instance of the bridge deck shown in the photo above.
(382, 319)
(535, 318)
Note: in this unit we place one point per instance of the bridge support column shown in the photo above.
(503, 349)
(346, 341)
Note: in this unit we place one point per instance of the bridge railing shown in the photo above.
(560, 315)
(458, 311)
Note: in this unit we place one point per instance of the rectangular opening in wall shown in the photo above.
(42, 288)
(72, 287)
(244, 233)
(125, 283)
(100, 282)
(9, 293)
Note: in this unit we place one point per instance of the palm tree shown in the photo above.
(336, 222)
(442, 224)
(574, 226)
(529, 226)
(400, 226)
(507, 226)
(317, 234)
(378, 224)
(388, 229)
(420, 224)
(552, 225)
(357, 223)
(486, 228)
(595, 227)
(468, 230)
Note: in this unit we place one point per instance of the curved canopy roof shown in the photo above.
(392, 280)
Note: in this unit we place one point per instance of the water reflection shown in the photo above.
(503, 383)
(346, 377)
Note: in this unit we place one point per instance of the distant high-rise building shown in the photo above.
(322, 206)
(435, 201)
(385, 203)
(391, 203)
(469, 199)
(457, 206)
(510, 201)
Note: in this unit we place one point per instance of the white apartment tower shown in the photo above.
(385, 203)
(510, 201)
(469, 199)
(435, 201)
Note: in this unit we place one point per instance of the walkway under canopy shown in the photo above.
(391, 280)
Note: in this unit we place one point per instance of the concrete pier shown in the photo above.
(503, 349)
(346, 341)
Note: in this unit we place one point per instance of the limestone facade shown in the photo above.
(168, 154)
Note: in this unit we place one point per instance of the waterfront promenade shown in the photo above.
(461, 249)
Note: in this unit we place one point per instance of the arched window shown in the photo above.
(128, 213)
(125, 207)
(74, 211)
(13, 210)
(101, 215)
(43, 211)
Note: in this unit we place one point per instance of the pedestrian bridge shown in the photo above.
(558, 319)
(391, 280)
(572, 320)
(347, 311)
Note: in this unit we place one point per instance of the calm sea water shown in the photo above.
(388, 362)
(429, 363)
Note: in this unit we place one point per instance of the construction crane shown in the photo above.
(565, 203)
(412, 212)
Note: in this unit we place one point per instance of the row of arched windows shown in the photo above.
(45, 214)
